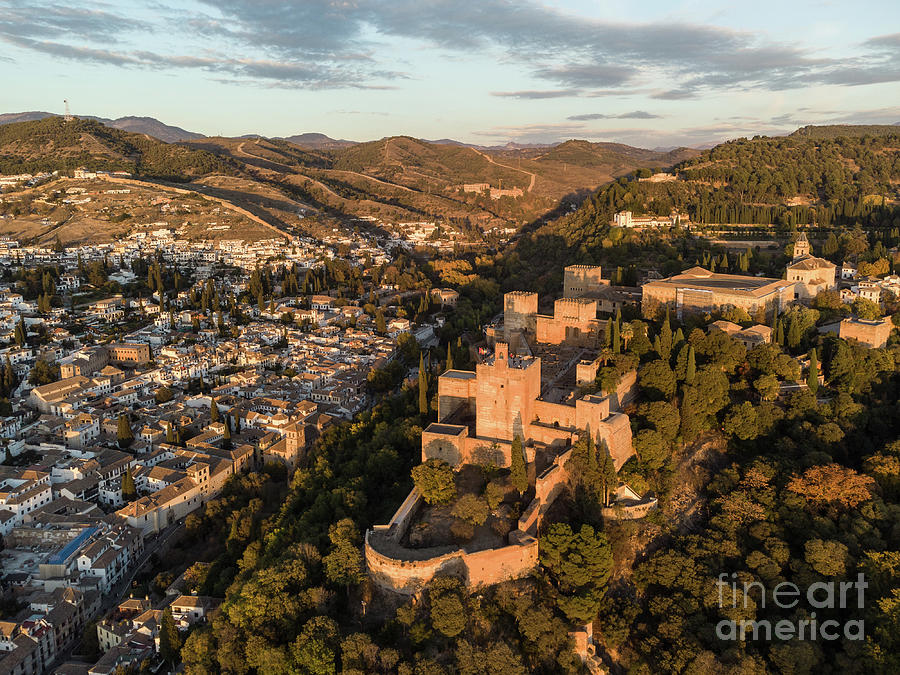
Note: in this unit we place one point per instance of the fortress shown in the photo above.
(574, 320)
(479, 415)
(481, 412)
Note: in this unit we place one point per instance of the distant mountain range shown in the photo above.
(137, 125)
(311, 140)
(318, 141)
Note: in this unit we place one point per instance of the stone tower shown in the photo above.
(801, 246)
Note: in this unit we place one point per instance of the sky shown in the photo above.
(651, 74)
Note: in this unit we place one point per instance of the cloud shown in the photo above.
(674, 94)
(44, 20)
(890, 115)
(537, 94)
(341, 43)
(311, 75)
(634, 115)
(533, 133)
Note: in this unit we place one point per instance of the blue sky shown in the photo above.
(485, 71)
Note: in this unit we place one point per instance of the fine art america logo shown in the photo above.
(822, 595)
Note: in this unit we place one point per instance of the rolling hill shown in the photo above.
(51, 144)
(138, 125)
(400, 178)
(395, 179)
(837, 130)
(776, 183)
(318, 141)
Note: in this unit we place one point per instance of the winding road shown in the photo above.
(506, 166)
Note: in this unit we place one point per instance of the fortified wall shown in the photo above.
(479, 415)
(407, 571)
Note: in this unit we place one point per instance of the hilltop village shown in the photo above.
(122, 413)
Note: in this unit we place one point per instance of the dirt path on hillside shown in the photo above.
(506, 166)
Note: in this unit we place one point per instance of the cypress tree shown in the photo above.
(124, 434)
(665, 339)
(518, 474)
(449, 357)
(812, 380)
(616, 346)
(691, 370)
(423, 387)
(129, 491)
(214, 411)
(20, 333)
(794, 335)
(169, 639)
(226, 437)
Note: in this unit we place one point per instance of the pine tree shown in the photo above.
(691, 371)
(518, 474)
(813, 378)
(423, 387)
(124, 434)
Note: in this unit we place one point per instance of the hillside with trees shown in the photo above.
(54, 144)
(800, 488)
(840, 190)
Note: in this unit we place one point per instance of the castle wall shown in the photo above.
(616, 433)
(633, 511)
(492, 566)
(519, 311)
(456, 389)
(868, 333)
(443, 441)
(408, 571)
(409, 576)
(446, 442)
(574, 321)
(554, 414)
(580, 280)
(591, 412)
(626, 391)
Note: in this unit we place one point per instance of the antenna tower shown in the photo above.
(68, 117)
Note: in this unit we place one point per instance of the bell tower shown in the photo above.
(801, 246)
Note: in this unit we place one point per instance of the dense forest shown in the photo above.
(842, 181)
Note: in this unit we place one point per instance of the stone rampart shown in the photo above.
(630, 510)
(408, 571)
